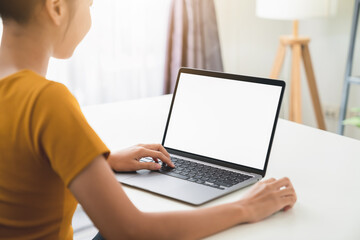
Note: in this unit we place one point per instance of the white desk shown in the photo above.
(322, 166)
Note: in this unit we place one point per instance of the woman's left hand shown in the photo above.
(128, 159)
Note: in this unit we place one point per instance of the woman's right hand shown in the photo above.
(266, 198)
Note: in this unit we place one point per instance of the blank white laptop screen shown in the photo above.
(224, 119)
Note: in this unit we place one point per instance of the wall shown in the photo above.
(249, 46)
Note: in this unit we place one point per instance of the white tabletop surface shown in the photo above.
(322, 166)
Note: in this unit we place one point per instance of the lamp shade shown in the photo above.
(294, 9)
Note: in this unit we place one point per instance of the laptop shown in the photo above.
(219, 133)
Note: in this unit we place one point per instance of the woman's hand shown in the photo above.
(128, 159)
(268, 197)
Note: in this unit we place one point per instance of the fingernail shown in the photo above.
(158, 166)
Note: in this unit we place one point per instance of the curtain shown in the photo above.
(193, 39)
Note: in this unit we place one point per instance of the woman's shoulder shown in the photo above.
(31, 88)
(21, 76)
(28, 81)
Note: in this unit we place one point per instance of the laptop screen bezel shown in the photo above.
(227, 76)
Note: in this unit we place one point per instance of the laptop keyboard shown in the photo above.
(203, 174)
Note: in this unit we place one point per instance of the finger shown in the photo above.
(270, 180)
(290, 191)
(155, 154)
(287, 202)
(287, 185)
(283, 182)
(157, 147)
(155, 160)
(149, 165)
(287, 208)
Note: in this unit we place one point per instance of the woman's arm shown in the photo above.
(116, 217)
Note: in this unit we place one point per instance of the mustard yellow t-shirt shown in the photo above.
(45, 142)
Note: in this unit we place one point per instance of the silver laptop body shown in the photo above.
(219, 120)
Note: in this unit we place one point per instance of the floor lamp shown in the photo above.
(295, 10)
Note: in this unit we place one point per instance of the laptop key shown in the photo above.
(212, 180)
(205, 178)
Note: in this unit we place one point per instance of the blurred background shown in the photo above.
(126, 53)
(135, 48)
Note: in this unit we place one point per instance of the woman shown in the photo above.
(50, 158)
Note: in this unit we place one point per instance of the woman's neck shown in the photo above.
(24, 47)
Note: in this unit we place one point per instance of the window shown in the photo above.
(123, 55)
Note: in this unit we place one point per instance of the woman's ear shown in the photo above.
(56, 10)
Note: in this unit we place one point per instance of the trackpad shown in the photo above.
(155, 182)
(173, 187)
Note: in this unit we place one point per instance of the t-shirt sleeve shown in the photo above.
(62, 134)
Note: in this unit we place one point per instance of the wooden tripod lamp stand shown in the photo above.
(295, 10)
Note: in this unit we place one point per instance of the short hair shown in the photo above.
(20, 11)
